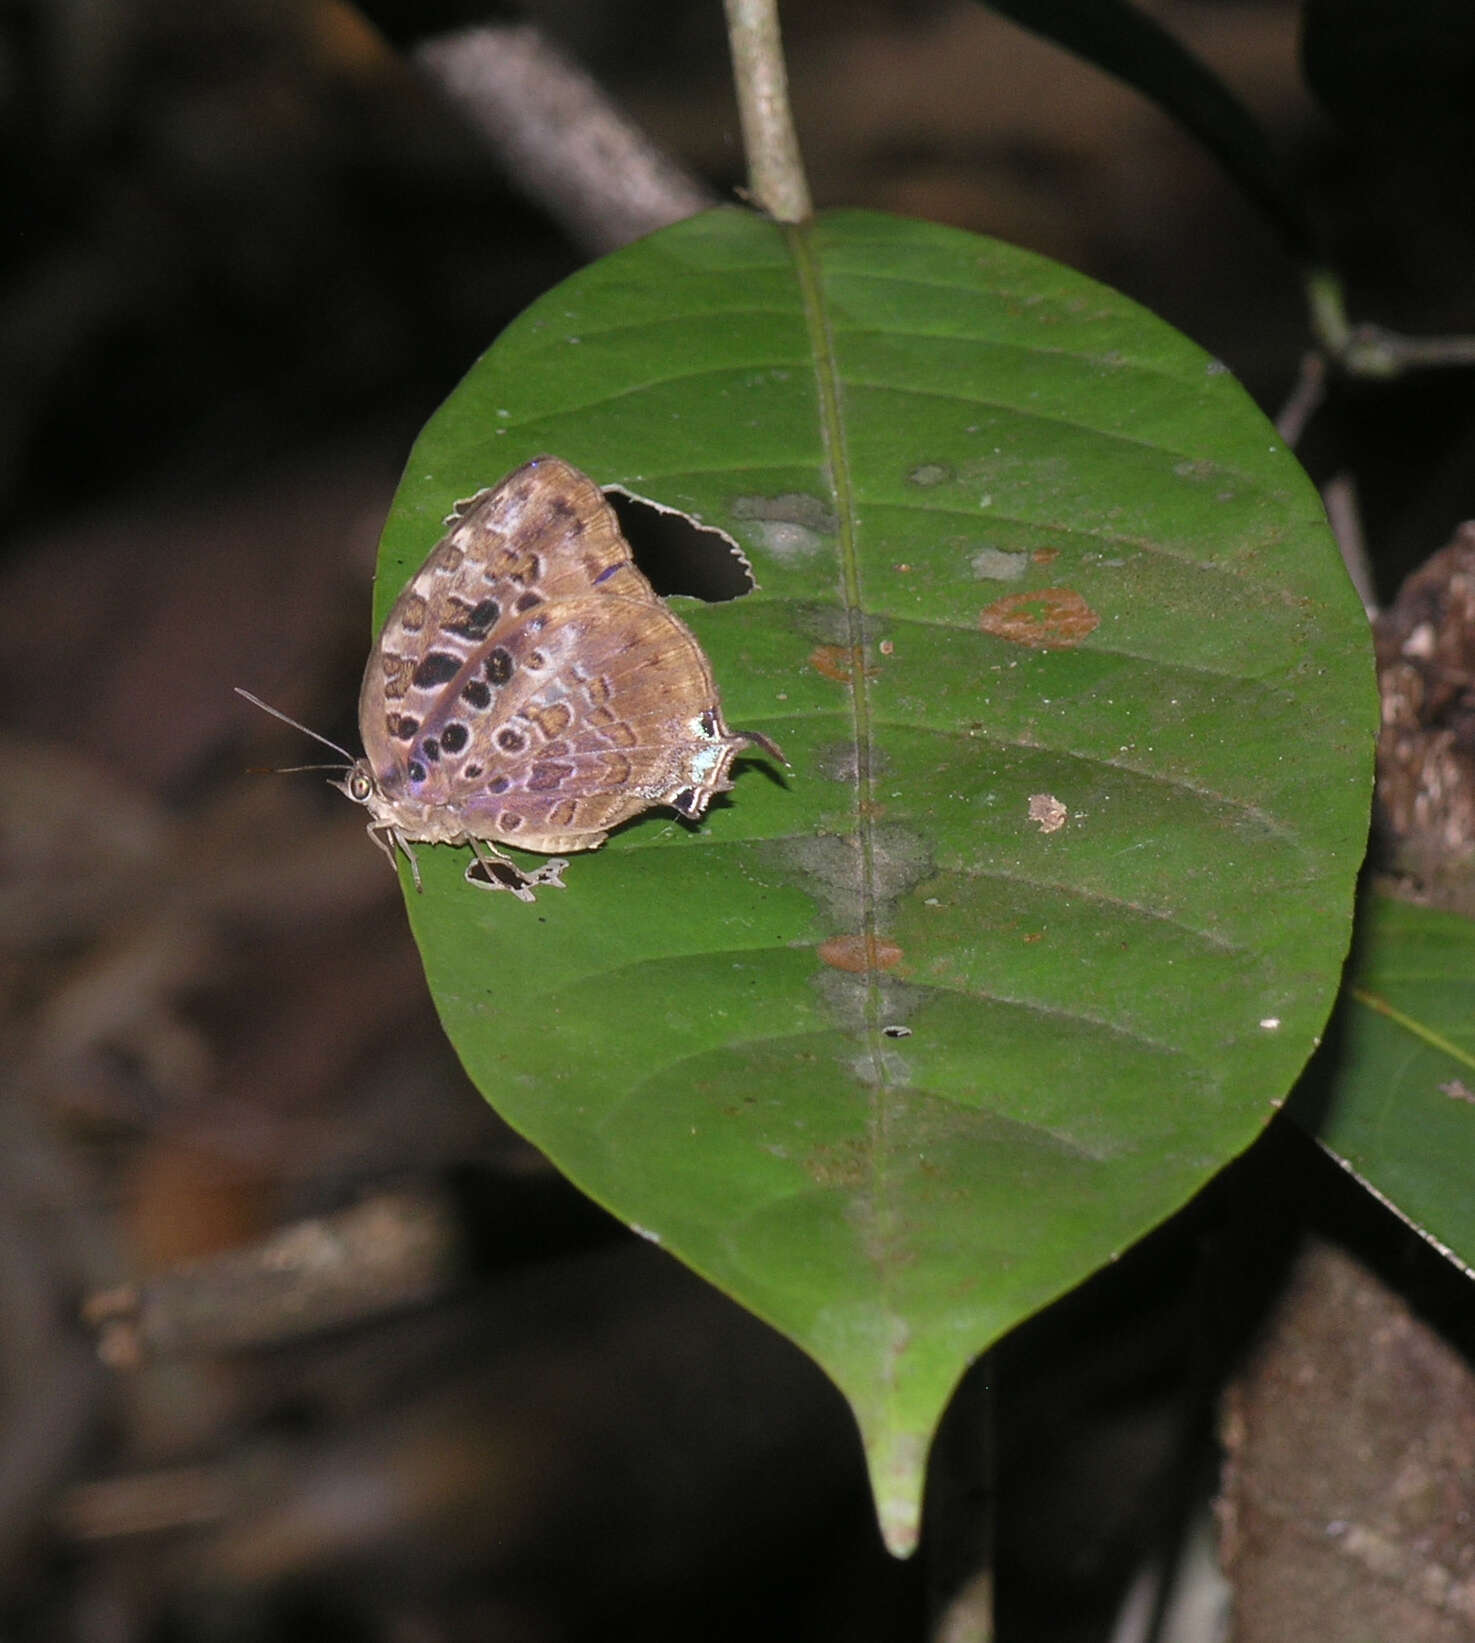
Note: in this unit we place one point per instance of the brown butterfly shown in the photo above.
(530, 688)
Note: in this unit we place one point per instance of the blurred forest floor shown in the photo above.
(250, 252)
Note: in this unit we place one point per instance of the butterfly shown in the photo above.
(530, 688)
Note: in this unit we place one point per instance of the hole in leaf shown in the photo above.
(680, 556)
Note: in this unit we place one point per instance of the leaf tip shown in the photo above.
(898, 1467)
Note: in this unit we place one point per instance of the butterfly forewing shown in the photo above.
(548, 528)
(545, 533)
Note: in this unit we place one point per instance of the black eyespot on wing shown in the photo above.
(688, 803)
(416, 771)
(406, 727)
(471, 772)
(437, 667)
(431, 749)
(497, 667)
(528, 601)
(511, 741)
(498, 784)
(454, 737)
(479, 621)
(477, 694)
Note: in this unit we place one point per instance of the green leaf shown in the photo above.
(881, 1050)
(1402, 1113)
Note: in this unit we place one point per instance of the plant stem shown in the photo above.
(776, 179)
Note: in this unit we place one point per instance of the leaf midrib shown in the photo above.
(832, 435)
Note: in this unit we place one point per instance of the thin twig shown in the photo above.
(1373, 351)
(1344, 515)
(396, 1250)
(775, 170)
(1306, 398)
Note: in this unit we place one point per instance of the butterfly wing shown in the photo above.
(545, 533)
(603, 708)
(530, 688)
(612, 709)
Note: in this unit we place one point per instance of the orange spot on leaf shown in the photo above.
(1047, 619)
(839, 662)
(856, 953)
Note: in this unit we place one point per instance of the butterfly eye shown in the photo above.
(360, 787)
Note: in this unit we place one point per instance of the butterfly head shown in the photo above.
(359, 783)
(396, 813)
(386, 820)
(364, 787)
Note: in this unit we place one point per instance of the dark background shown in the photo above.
(247, 250)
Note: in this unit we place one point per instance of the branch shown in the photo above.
(559, 138)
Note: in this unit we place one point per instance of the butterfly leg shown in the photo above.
(387, 840)
(491, 870)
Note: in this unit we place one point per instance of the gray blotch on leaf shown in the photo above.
(784, 540)
(840, 762)
(846, 996)
(887, 1067)
(830, 867)
(791, 526)
(829, 624)
(995, 565)
(792, 508)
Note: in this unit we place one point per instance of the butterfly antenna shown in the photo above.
(256, 701)
(296, 769)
